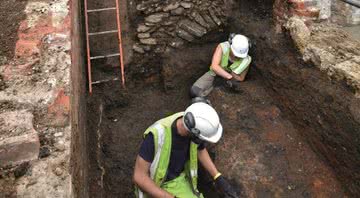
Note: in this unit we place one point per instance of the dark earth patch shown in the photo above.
(14, 10)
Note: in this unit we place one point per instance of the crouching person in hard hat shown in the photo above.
(167, 163)
(230, 61)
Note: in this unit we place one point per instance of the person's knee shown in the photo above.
(195, 91)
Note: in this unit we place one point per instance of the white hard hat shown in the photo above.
(240, 46)
(201, 120)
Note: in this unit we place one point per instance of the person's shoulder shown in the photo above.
(147, 148)
(149, 136)
(249, 58)
(201, 146)
(224, 45)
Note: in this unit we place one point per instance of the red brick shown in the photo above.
(30, 37)
(13, 70)
(313, 13)
(58, 111)
(298, 4)
(19, 149)
(26, 48)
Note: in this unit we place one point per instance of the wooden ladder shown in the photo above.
(88, 35)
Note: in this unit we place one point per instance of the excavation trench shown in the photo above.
(268, 149)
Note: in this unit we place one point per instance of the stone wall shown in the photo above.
(35, 104)
(170, 24)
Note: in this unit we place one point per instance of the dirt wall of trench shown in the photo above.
(312, 72)
(323, 108)
(79, 158)
(320, 99)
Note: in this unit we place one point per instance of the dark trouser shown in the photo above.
(203, 86)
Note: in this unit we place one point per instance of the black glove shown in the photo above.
(233, 85)
(223, 186)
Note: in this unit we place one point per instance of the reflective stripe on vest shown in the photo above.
(193, 166)
(161, 131)
(141, 194)
(161, 139)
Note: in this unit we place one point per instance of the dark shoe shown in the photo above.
(195, 91)
(233, 85)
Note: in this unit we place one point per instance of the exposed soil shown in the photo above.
(261, 152)
(14, 10)
(126, 114)
(321, 103)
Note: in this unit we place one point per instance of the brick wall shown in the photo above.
(333, 10)
(35, 103)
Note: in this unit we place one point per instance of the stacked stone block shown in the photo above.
(172, 23)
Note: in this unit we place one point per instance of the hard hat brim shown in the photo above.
(237, 54)
(216, 137)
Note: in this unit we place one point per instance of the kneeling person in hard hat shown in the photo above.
(230, 61)
(167, 163)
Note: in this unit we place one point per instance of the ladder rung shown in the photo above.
(105, 56)
(102, 9)
(102, 81)
(103, 32)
